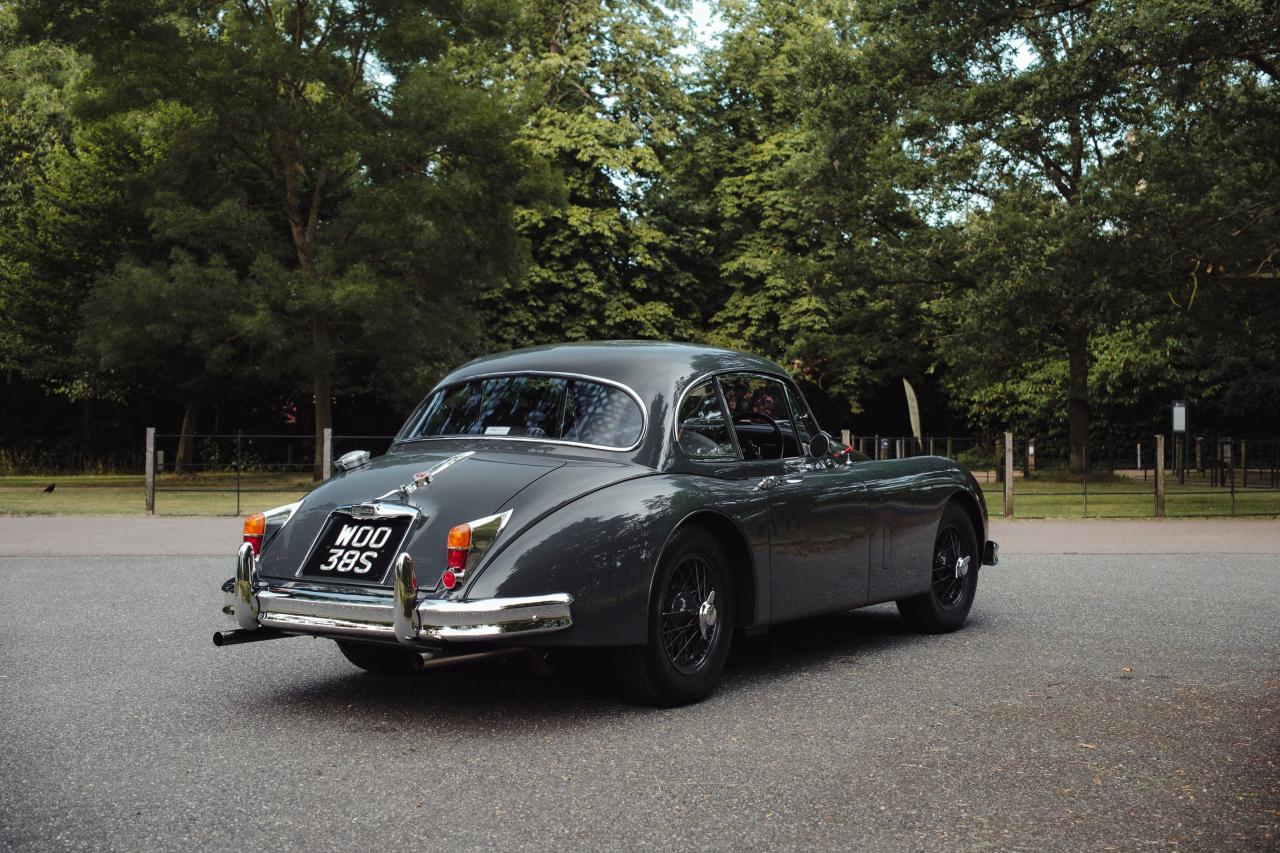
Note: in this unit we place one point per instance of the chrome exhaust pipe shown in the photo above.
(235, 638)
(427, 660)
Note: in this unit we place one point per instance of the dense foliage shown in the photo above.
(1052, 216)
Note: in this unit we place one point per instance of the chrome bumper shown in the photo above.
(397, 615)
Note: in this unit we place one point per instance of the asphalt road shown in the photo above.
(1093, 702)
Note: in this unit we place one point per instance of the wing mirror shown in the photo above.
(351, 461)
(819, 446)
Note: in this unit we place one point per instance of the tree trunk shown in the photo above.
(1078, 396)
(186, 444)
(323, 389)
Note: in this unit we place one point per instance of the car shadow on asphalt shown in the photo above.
(577, 685)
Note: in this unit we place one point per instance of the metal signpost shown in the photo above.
(1180, 439)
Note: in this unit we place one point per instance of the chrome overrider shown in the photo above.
(401, 615)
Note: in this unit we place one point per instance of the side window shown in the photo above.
(761, 417)
(600, 414)
(701, 429)
(806, 426)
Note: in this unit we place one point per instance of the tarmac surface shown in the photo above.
(1097, 699)
(73, 536)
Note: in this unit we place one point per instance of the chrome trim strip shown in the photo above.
(376, 509)
(420, 480)
(287, 510)
(644, 411)
(484, 532)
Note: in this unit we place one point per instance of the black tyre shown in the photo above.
(385, 660)
(690, 625)
(953, 577)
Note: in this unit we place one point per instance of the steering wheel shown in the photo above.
(758, 418)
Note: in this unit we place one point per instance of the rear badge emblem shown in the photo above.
(423, 478)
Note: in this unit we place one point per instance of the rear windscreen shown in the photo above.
(531, 406)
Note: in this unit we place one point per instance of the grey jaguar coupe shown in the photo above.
(653, 499)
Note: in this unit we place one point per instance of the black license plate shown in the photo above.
(350, 549)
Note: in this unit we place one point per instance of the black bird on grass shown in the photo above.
(49, 488)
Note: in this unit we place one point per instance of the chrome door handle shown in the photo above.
(772, 481)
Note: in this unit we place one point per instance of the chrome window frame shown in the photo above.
(736, 455)
(644, 412)
(787, 384)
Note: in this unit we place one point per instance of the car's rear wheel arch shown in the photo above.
(738, 554)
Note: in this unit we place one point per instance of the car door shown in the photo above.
(819, 514)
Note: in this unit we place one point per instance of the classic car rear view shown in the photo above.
(652, 499)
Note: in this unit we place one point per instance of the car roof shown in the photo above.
(649, 368)
(657, 372)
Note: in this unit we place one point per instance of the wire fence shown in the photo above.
(1022, 477)
(979, 454)
(244, 464)
(1107, 477)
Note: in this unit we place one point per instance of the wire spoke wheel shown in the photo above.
(948, 580)
(952, 573)
(690, 628)
(690, 624)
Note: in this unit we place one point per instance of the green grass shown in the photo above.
(1119, 497)
(214, 494)
(124, 494)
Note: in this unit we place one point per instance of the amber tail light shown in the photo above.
(254, 528)
(467, 543)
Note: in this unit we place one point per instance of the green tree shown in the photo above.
(786, 203)
(384, 169)
(601, 86)
(53, 236)
(1203, 220)
(1030, 124)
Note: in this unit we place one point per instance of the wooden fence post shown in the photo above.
(327, 470)
(1231, 472)
(1158, 466)
(151, 470)
(846, 439)
(1008, 475)
(1244, 464)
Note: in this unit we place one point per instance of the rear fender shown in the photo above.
(603, 549)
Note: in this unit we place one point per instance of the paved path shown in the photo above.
(1148, 536)
(75, 536)
(1092, 703)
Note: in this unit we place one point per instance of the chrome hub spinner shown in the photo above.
(962, 566)
(707, 615)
